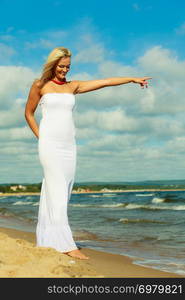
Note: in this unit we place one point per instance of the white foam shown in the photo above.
(161, 265)
(132, 206)
(124, 220)
(158, 200)
(109, 195)
(22, 203)
(175, 207)
(81, 205)
(144, 195)
(94, 205)
(112, 205)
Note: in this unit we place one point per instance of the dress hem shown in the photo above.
(66, 251)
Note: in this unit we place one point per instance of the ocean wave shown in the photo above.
(126, 221)
(144, 195)
(102, 195)
(166, 200)
(135, 206)
(158, 200)
(4, 212)
(82, 205)
(162, 265)
(178, 207)
(131, 206)
(107, 205)
(113, 205)
(23, 203)
(85, 235)
(109, 195)
(100, 205)
(109, 219)
(152, 207)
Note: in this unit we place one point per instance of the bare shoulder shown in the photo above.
(74, 84)
(36, 84)
(35, 90)
(37, 87)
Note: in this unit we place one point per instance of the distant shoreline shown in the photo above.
(92, 192)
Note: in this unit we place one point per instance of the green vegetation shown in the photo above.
(17, 188)
(130, 186)
(36, 187)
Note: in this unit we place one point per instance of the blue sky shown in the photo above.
(123, 133)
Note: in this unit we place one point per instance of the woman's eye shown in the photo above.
(64, 67)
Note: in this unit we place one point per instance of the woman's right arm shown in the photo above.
(31, 105)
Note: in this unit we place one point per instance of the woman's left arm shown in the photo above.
(91, 85)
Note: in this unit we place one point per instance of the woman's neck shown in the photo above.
(57, 81)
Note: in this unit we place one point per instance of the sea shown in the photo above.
(147, 226)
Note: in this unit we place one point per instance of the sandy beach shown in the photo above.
(19, 257)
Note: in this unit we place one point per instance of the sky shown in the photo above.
(123, 133)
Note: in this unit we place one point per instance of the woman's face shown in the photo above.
(62, 68)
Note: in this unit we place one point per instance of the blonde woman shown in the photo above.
(57, 145)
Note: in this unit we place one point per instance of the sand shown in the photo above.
(19, 257)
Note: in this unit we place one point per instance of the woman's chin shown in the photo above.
(61, 77)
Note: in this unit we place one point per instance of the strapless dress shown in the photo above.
(57, 155)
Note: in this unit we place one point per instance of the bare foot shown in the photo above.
(76, 253)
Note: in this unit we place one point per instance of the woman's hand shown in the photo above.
(142, 81)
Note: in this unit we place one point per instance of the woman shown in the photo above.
(57, 146)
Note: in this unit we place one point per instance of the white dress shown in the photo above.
(57, 154)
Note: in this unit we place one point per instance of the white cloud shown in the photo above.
(6, 52)
(148, 101)
(15, 80)
(107, 120)
(41, 43)
(162, 62)
(17, 133)
(48, 40)
(91, 54)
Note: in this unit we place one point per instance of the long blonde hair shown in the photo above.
(48, 69)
